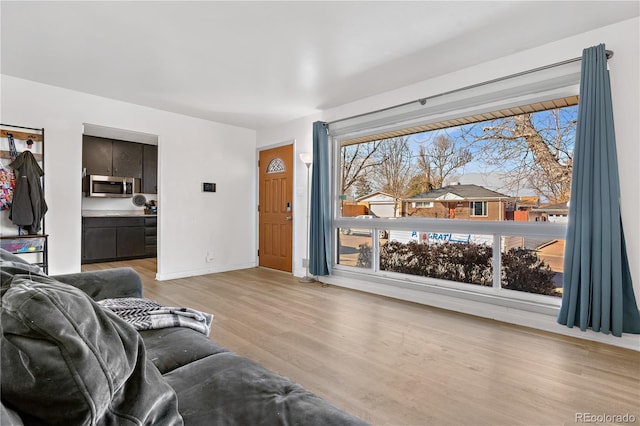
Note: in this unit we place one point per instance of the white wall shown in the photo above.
(300, 133)
(623, 38)
(191, 223)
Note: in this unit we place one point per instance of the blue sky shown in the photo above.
(479, 171)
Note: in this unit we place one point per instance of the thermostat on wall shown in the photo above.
(208, 187)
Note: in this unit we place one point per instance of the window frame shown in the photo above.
(419, 205)
(485, 209)
(479, 99)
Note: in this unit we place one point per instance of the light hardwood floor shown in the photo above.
(398, 363)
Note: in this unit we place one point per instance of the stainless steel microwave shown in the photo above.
(110, 186)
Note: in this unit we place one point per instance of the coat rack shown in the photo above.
(11, 238)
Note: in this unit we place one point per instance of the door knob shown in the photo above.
(289, 218)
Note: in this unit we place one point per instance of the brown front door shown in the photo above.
(276, 208)
(452, 211)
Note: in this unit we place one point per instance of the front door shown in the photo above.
(452, 211)
(275, 210)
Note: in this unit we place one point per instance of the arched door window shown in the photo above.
(276, 166)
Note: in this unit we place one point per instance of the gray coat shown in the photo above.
(28, 207)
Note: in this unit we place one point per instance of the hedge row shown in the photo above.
(522, 269)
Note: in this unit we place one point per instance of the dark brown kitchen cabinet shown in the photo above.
(149, 169)
(116, 238)
(97, 155)
(127, 159)
(110, 157)
(130, 241)
(150, 236)
(98, 244)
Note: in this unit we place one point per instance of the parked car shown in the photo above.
(347, 231)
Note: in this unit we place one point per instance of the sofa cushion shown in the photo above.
(11, 265)
(67, 361)
(105, 283)
(173, 347)
(227, 389)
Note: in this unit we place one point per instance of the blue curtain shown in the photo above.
(597, 287)
(320, 217)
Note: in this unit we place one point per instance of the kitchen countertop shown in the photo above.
(114, 213)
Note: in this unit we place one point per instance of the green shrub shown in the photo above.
(464, 262)
(523, 270)
(467, 263)
(364, 256)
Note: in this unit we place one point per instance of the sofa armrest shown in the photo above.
(105, 283)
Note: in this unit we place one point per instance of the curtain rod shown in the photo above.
(423, 101)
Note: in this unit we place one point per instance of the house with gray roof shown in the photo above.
(471, 202)
(554, 212)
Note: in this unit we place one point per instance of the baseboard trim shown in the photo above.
(203, 271)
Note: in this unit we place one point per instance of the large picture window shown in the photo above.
(501, 180)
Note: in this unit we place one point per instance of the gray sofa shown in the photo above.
(67, 361)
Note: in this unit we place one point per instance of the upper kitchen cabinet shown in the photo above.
(150, 169)
(109, 157)
(127, 159)
(97, 155)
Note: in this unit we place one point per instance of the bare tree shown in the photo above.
(535, 149)
(441, 158)
(395, 167)
(357, 163)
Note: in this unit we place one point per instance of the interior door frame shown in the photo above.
(291, 142)
(102, 131)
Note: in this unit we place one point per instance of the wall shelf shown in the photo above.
(13, 238)
(28, 244)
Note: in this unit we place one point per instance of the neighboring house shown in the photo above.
(522, 206)
(458, 202)
(557, 213)
(380, 204)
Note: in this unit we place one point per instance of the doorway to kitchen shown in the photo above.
(275, 208)
(120, 196)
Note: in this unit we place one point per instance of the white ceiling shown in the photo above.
(257, 64)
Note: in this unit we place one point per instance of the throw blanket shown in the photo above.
(145, 314)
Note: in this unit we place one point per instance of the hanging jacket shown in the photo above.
(28, 205)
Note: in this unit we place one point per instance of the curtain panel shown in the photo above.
(597, 288)
(320, 215)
